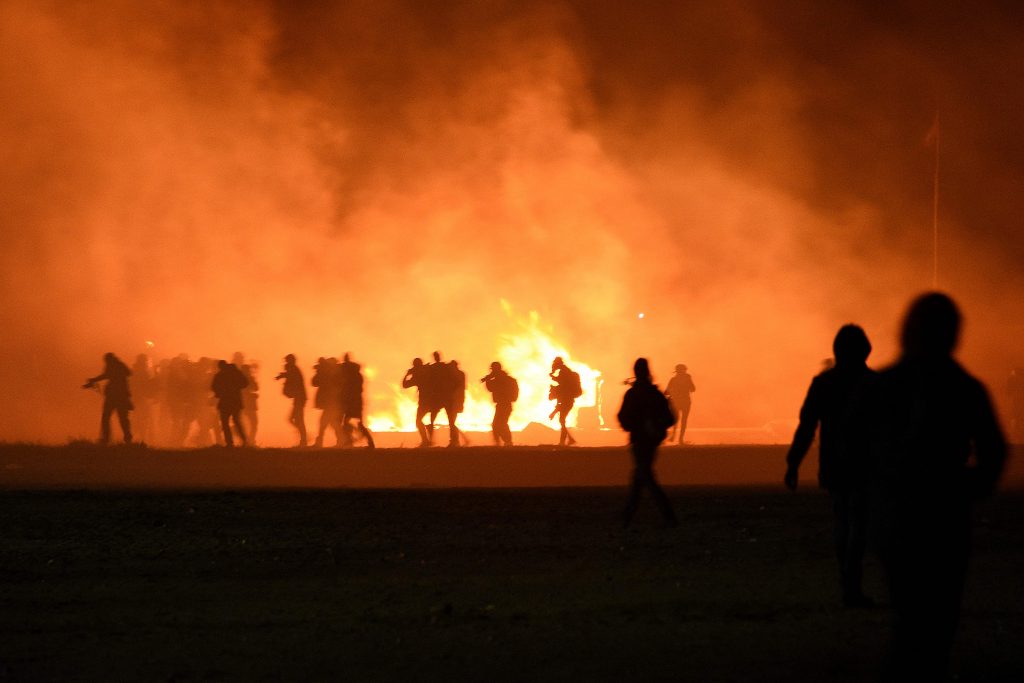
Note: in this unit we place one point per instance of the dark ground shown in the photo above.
(536, 584)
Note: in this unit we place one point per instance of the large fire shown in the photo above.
(525, 353)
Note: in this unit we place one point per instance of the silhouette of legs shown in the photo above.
(850, 507)
(564, 438)
(226, 417)
(499, 426)
(453, 430)
(643, 477)
(421, 412)
(109, 408)
(684, 414)
(925, 558)
(298, 419)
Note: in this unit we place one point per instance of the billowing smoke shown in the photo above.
(378, 177)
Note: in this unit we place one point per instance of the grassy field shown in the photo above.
(501, 584)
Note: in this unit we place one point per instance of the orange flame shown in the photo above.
(526, 354)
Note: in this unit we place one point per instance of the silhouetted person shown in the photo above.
(564, 392)
(227, 385)
(1015, 389)
(931, 418)
(116, 396)
(416, 376)
(505, 391)
(327, 399)
(844, 465)
(455, 399)
(646, 415)
(295, 389)
(350, 384)
(250, 395)
(678, 392)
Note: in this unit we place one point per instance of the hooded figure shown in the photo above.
(647, 416)
(930, 417)
(844, 465)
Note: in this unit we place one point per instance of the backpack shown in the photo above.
(513, 389)
(573, 388)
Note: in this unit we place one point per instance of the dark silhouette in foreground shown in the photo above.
(350, 384)
(932, 419)
(1015, 389)
(295, 389)
(505, 391)
(227, 386)
(844, 468)
(646, 415)
(565, 390)
(678, 392)
(116, 396)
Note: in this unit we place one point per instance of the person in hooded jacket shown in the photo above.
(844, 465)
(647, 416)
(940, 450)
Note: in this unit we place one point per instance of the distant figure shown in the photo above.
(1015, 389)
(327, 399)
(844, 468)
(564, 392)
(250, 395)
(227, 385)
(416, 376)
(295, 389)
(455, 400)
(931, 418)
(646, 415)
(505, 391)
(350, 385)
(116, 396)
(678, 392)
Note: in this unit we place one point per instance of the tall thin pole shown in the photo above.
(935, 211)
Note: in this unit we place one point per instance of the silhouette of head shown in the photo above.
(437, 356)
(109, 357)
(417, 362)
(222, 364)
(642, 371)
(557, 363)
(495, 366)
(851, 345)
(680, 368)
(931, 327)
(347, 358)
(290, 359)
(453, 363)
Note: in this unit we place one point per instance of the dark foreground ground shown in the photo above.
(536, 584)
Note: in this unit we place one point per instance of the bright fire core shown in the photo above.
(526, 354)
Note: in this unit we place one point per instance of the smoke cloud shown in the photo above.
(377, 177)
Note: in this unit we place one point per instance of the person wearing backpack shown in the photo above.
(647, 416)
(505, 391)
(566, 389)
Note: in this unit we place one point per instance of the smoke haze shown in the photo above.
(377, 177)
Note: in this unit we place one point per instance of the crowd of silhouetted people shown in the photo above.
(904, 452)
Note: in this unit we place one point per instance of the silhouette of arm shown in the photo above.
(989, 447)
(810, 415)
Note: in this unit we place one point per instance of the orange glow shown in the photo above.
(703, 183)
(526, 354)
